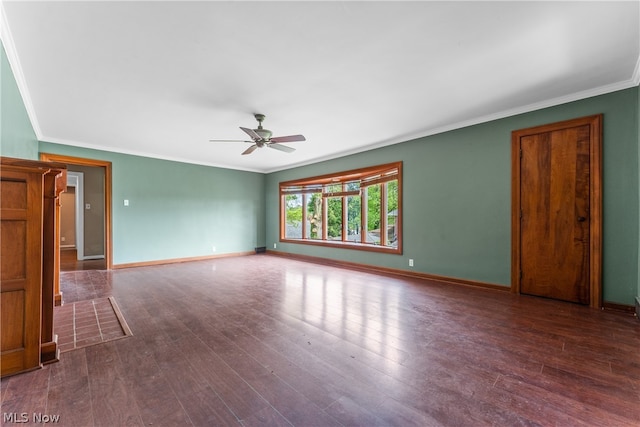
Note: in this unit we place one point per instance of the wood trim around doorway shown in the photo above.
(79, 161)
(595, 196)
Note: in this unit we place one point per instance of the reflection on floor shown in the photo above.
(69, 262)
(85, 285)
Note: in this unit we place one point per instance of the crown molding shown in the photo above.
(145, 154)
(14, 63)
(589, 93)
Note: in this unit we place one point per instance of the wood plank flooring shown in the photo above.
(263, 340)
(69, 262)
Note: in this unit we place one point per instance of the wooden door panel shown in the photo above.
(20, 263)
(554, 247)
(554, 204)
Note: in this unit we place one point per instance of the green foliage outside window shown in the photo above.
(334, 217)
(353, 215)
(373, 207)
(294, 209)
(392, 201)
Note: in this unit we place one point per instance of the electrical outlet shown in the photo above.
(274, 246)
(410, 263)
(87, 206)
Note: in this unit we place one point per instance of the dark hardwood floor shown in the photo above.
(69, 262)
(263, 340)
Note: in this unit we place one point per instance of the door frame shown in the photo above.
(80, 161)
(595, 201)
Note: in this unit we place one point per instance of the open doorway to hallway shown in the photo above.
(85, 214)
(82, 219)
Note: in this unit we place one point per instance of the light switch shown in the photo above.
(87, 206)
(126, 202)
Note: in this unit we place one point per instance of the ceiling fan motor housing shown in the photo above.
(265, 134)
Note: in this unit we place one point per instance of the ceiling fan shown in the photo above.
(261, 137)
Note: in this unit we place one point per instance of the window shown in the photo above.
(358, 209)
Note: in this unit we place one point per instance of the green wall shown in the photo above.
(457, 197)
(178, 210)
(17, 138)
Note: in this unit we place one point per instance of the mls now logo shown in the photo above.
(23, 417)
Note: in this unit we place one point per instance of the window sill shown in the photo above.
(347, 245)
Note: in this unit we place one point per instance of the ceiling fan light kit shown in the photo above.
(261, 137)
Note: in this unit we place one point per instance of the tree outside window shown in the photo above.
(293, 213)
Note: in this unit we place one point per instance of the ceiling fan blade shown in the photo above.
(251, 133)
(281, 147)
(290, 138)
(250, 149)
(230, 140)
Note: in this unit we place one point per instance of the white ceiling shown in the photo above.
(162, 78)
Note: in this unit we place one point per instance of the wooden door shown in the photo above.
(556, 211)
(20, 268)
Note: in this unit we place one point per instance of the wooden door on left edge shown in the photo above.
(20, 269)
(555, 217)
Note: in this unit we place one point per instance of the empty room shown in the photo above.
(337, 213)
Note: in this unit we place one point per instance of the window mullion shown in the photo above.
(345, 219)
(325, 217)
(304, 216)
(363, 215)
(383, 214)
(343, 199)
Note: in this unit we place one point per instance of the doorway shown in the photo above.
(99, 256)
(556, 211)
(71, 214)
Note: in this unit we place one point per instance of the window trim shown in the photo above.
(367, 177)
